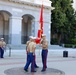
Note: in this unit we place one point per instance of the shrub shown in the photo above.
(74, 41)
(70, 45)
(54, 41)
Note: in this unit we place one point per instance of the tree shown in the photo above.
(63, 20)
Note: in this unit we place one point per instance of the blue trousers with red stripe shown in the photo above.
(30, 60)
(44, 58)
(35, 65)
(1, 52)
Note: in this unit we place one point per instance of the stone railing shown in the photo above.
(45, 2)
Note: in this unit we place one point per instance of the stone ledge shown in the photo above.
(29, 4)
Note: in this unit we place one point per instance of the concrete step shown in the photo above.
(16, 46)
(23, 46)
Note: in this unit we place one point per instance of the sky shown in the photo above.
(74, 4)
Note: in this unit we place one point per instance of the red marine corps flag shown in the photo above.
(40, 31)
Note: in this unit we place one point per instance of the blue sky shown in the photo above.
(74, 4)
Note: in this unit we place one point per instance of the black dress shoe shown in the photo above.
(26, 70)
(43, 70)
(46, 66)
(2, 57)
(33, 71)
(36, 66)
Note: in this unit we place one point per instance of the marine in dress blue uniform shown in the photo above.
(44, 44)
(27, 51)
(27, 45)
(31, 53)
(2, 47)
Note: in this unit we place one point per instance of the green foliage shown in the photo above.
(74, 40)
(63, 19)
(54, 41)
(70, 45)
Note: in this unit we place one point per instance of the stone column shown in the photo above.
(15, 30)
(33, 27)
(37, 26)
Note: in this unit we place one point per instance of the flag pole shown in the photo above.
(41, 22)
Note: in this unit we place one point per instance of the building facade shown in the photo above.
(20, 18)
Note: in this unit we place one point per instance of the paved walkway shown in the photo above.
(55, 60)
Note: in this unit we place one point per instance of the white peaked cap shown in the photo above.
(43, 34)
(34, 38)
(30, 37)
(2, 38)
